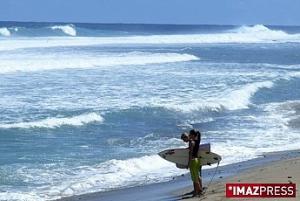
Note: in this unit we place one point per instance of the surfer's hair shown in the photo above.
(193, 132)
(184, 136)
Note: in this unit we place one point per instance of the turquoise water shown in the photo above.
(86, 107)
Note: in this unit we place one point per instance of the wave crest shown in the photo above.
(259, 28)
(48, 62)
(4, 32)
(240, 99)
(57, 122)
(67, 29)
(263, 33)
(229, 100)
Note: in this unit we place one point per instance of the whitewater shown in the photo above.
(255, 34)
(87, 107)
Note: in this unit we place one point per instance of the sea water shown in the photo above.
(87, 107)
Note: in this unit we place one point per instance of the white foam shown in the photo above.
(38, 62)
(233, 152)
(272, 133)
(240, 99)
(56, 122)
(255, 34)
(67, 29)
(112, 174)
(18, 196)
(4, 32)
(260, 33)
(293, 74)
(230, 99)
(281, 113)
(258, 29)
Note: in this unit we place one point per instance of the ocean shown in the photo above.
(87, 107)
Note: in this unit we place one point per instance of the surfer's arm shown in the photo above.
(199, 137)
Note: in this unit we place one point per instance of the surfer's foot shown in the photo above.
(190, 193)
(198, 194)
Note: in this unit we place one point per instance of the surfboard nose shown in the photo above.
(162, 154)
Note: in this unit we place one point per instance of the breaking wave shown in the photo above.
(105, 176)
(229, 100)
(245, 34)
(66, 29)
(49, 62)
(259, 28)
(4, 32)
(241, 98)
(56, 122)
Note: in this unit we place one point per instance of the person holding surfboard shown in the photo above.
(193, 138)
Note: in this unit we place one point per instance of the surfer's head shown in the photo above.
(193, 134)
(185, 137)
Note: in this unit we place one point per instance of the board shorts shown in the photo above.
(194, 169)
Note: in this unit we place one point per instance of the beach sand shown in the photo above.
(284, 171)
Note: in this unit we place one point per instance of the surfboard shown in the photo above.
(180, 156)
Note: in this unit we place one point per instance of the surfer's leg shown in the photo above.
(194, 168)
(200, 185)
(199, 181)
(200, 177)
(193, 176)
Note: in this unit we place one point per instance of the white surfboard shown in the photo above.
(180, 156)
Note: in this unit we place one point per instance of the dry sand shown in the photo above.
(284, 171)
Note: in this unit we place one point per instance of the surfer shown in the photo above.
(193, 138)
(194, 161)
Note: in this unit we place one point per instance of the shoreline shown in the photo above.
(176, 188)
(283, 171)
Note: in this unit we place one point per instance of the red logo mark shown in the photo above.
(263, 190)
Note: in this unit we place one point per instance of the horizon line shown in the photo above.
(135, 23)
